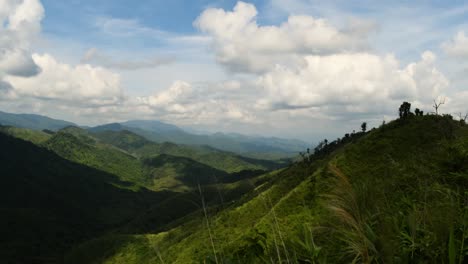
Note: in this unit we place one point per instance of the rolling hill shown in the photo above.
(254, 147)
(221, 160)
(31, 121)
(248, 146)
(397, 194)
(69, 189)
(48, 203)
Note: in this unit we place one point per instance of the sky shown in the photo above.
(291, 68)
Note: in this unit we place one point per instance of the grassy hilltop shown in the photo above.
(396, 194)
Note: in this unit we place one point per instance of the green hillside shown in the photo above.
(138, 161)
(397, 194)
(217, 159)
(85, 150)
(250, 146)
(36, 137)
(50, 201)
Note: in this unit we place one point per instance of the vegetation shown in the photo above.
(36, 137)
(394, 194)
(253, 147)
(221, 160)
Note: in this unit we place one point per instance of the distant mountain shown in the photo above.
(107, 127)
(152, 125)
(255, 147)
(251, 146)
(221, 160)
(31, 121)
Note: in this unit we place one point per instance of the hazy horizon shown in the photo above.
(287, 68)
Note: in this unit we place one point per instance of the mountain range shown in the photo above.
(395, 194)
(255, 147)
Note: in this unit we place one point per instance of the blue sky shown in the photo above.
(293, 68)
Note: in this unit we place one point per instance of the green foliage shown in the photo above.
(253, 147)
(217, 159)
(393, 195)
(396, 194)
(79, 147)
(36, 137)
(53, 201)
(48, 203)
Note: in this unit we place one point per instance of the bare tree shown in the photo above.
(437, 104)
(463, 117)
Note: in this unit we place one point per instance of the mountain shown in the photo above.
(221, 160)
(48, 203)
(153, 126)
(249, 146)
(25, 134)
(254, 147)
(70, 188)
(35, 122)
(396, 194)
(127, 155)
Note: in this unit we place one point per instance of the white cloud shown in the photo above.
(95, 57)
(243, 46)
(178, 92)
(83, 84)
(457, 47)
(17, 62)
(205, 103)
(126, 27)
(350, 80)
(25, 75)
(19, 25)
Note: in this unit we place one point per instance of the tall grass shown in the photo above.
(350, 223)
(208, 223)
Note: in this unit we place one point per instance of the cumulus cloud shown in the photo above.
(95, 57)
(24, 74)
(244, 46)
(458, 46)
(350, 80)
(17, 62)
(207, 103)
(79, 84)
(19, 25)
(6, 91)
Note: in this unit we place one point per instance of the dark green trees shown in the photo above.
(418, 112)
(364, 127)
(404, 110)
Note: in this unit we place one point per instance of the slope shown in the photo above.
(31, 121)
(33, 136)
(257, 147)
(48, 203)
(394, 195)
(217, 159)
(73, 144)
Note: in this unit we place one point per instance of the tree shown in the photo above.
(462, 117)
(418, 112)
(364, 127)
(437, 104)
(404, 110)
